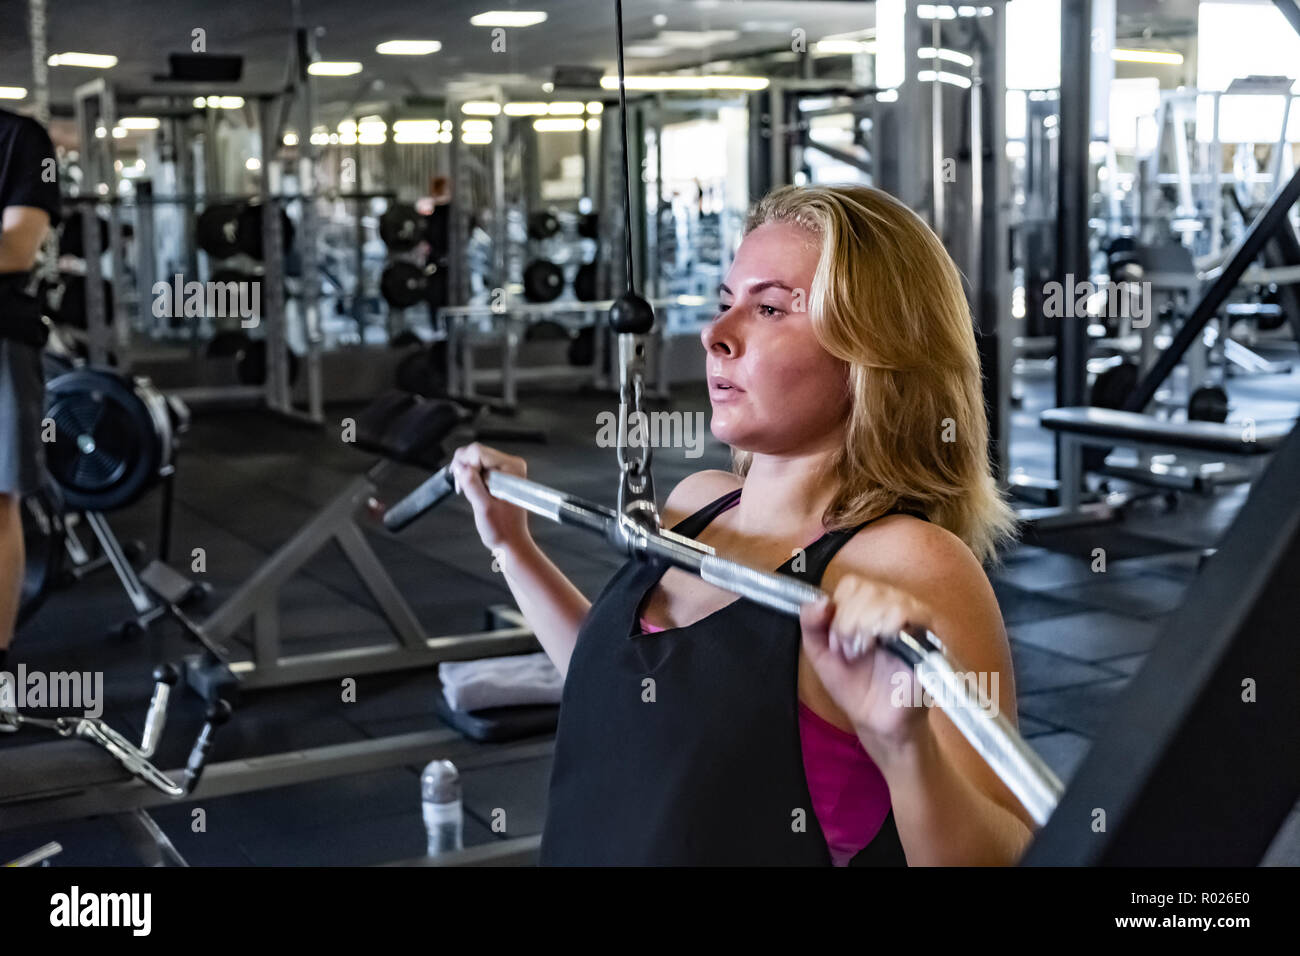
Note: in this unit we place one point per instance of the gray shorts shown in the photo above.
(22, 407)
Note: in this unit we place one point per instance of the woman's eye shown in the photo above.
(722, 307)
(770, 310)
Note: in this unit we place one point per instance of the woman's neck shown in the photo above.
(786, 496)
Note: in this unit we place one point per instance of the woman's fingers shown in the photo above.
(865, 612)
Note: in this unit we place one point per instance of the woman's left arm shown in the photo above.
(950, 808)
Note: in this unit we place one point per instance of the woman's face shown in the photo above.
(773, 388)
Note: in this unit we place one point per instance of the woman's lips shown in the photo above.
(723, 390)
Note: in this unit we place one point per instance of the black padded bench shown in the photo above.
(1107, 426)
(1085, 425)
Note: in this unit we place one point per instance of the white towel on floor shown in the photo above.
(500, 682)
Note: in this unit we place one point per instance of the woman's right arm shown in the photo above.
(549, 602)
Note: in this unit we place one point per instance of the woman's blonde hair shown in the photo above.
(887, 300)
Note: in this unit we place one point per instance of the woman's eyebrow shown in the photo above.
(757, 287)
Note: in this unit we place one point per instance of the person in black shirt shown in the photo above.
(29, 206)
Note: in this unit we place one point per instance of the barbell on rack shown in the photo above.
(993, 737)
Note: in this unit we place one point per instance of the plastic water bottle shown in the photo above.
(444, 817)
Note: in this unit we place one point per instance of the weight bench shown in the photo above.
(1207, 441)
(399, 428)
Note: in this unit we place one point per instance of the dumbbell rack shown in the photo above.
(502, 329)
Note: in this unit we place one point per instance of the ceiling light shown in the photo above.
(648, 51)
(480, 108)
(252, 164)
(476, 126)
(593, 124)
(508, 18)
(525, 109)
(548, 87)
(12, 92)
(952, 79)
(595, 107)
(717, 82)
(476, 139)
(408, 47)
(229, 102)
(696, 39)
(139, 122)
(952, 56)
(334, 68)
(572, 124)
(291, 139)
(887, 96)
(659, 20)
(832, 46)
(1146, 56)
(119, 133)
(94, 61)
(565, 109)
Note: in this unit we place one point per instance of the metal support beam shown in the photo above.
(1073, 260)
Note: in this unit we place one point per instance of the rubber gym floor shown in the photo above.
(247, 481)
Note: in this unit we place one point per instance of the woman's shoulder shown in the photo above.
(695, 491)
(918, 556)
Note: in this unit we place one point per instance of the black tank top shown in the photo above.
(682, 747)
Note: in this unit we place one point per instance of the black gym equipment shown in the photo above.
(250, 363)
(70, 294)
(582, 347)
(401, 228)
(1271, 224)
(1199, 761)
(1209, 403)
(217, 230)
(543, 281)
(584, 282)
(543, 224)
(248, 232)
(113, 438)
(72, 239)
(589, 225)
(402, 284)
(424, 371)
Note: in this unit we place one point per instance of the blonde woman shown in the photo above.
(699, 729)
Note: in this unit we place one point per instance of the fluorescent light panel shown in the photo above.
(334, 68)
(408, 47)
(508, 18)
(717, 82)
(94, 61)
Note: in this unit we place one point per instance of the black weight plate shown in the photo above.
(543, 281)
(402, 284)
(217, 230)
(582, 349)
(107, 447)
(72, 239)
(251, 364)
(543, 225)
(401, 227)
(248, 233)
(589, 225)
(43, 533)
(1112, 387)
(72, 307)
(584, 282)
(1209, 403)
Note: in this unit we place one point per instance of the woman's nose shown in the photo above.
(719, 336)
